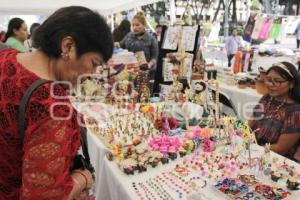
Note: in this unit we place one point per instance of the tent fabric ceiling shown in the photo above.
(105, 7)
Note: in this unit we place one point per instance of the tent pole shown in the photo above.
(226, 23)
(172, 12)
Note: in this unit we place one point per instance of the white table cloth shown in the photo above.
(97, 152)
(113, 184)
(242, 99)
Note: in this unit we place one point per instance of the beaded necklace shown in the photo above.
(270, 113)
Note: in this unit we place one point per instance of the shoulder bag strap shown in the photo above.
(21, 117)
(23, 105)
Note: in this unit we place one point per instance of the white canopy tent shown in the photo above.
(45, 7)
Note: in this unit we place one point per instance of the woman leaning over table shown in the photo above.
(276, 119)
(71, 42)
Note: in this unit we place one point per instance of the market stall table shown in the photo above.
(115, 185)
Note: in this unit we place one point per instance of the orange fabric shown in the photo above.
(237, 62)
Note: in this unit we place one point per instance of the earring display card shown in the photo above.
(171, 38)
(188, 37)
(167, 71)
(185, 69)
(140, 56)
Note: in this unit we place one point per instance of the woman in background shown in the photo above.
(29, 42)
(121, 31)
(16, 34)
(140, 40)
(276, 119)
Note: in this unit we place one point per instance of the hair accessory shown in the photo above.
(282, 66)
(208, 145)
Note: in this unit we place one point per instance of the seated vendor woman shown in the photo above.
(276, 119)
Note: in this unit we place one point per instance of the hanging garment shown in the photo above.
(266, 27)
(282, 32)
(292, 25)
(246, 62)
(258, 24)
(249, 29)
(243, 61)
(275, 30)
(214, 34)
(250, 60)
(237, 62)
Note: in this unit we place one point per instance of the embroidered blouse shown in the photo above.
(273, 118)
(38, 168)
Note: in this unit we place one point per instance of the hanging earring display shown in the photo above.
(142, 85)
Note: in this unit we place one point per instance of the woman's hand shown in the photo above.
(84, 178)
(151, 64)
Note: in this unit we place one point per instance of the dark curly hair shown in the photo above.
(87, 28)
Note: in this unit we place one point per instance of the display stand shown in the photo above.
(159, 79)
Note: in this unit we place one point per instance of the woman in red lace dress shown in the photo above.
(71, 42)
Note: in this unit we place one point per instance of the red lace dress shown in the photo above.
(41, 170)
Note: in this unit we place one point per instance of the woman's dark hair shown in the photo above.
(87, 28)
(234, 29)
(33, 27)
(121, 31)
(158, 26)
(295, 78)
(13, 24)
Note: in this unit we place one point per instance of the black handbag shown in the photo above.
(79, 161)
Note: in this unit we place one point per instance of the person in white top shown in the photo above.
(28, 43)
(233, 44)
